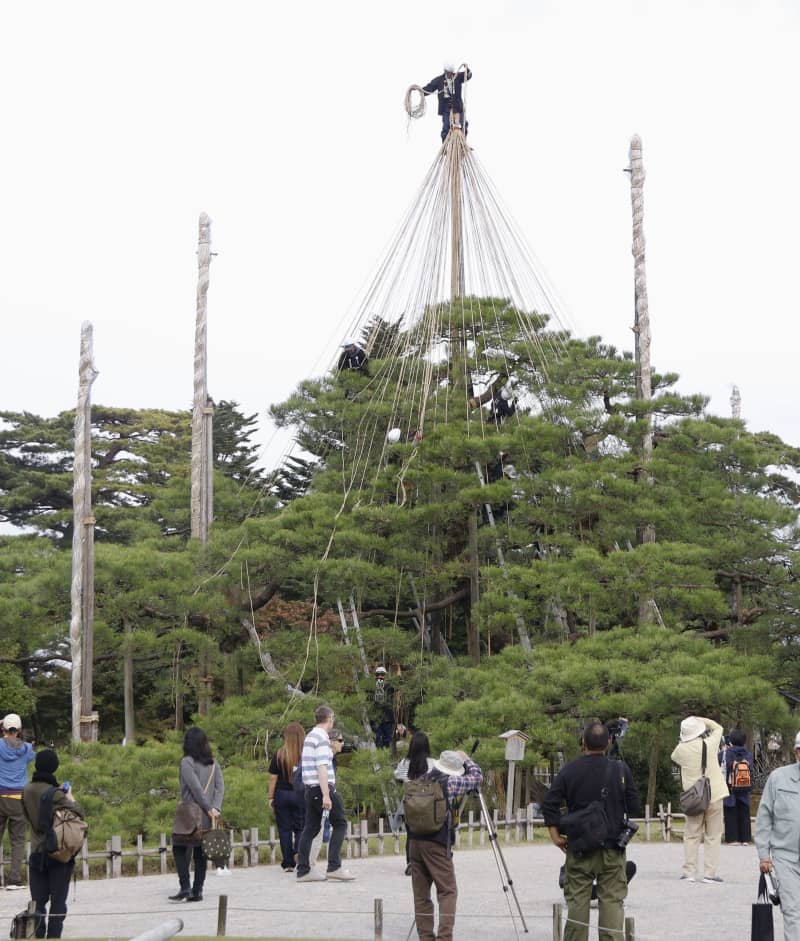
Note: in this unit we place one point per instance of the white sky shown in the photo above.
(284, 121)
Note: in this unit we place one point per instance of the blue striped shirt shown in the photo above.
(316, 753)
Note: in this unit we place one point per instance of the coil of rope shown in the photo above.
(414, 109)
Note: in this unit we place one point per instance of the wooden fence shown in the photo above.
(359, 842)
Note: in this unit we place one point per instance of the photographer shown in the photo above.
(15, 756)
(593, 778)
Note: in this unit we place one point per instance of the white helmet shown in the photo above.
(449, 67)
(393, 435)
(505, 394)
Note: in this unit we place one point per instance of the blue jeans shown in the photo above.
(312, 827)
(446, 123)
(290, 814)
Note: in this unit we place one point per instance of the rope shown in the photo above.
(414, 109)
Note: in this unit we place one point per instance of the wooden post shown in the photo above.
(81, 628)
(510, 791)
(222, 916)
(641, 330)
(558, 929)
(630, 931)
(202, 407)
(378, 906)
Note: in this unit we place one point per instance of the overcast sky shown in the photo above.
(285, 122)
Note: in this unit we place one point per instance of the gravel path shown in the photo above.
(266, 902)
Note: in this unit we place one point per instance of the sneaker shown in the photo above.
(311, 876)
(714, 880)
(343, 875)
(223, 871)
(688, 879)
(13, 886)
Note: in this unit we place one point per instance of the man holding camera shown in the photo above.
(593, 783)
(15, 756)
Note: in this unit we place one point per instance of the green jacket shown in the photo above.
(32, 802)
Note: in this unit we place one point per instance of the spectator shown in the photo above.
(431, 857)
(778, 838)
(703, 828)
(49, 878)
(15, 756)
(201, 782)
(736, 806)
(319, 778)
(578, 784)
(324, 835)
(285, 802)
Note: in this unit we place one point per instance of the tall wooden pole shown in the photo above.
(81, 626)
(202, 409)
(641, 330)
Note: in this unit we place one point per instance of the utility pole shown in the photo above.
(641, 331)
(81, 625)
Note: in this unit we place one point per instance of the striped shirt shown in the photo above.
(316, 753)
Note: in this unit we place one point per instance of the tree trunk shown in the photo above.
(127, 687)
(652, 772)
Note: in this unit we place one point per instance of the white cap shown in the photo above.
(505, 394)
(393, 435)
(380, 670)
(797, 740)
(349, 341)
(449, 67)
(12, 721)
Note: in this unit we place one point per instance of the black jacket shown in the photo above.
(449, 92)
(580, 782)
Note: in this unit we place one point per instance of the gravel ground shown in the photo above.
(266, 902)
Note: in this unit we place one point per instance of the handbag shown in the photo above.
(695, 800)
(216, 843)
(587, 829)
(188, 814)
(761, 928)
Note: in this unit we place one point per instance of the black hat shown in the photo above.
(47, 761)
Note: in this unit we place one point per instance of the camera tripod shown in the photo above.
(500, 861)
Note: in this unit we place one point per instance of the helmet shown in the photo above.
(505, 394)
(380, 671)
(393, 435)
(349, 341)
(449, 67)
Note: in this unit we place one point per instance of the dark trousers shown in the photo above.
(181, 855)
(312, 828)
(12, 815)
(290, 815)
(50, 884)
(737, 823)
(432, 864)
(459, 119)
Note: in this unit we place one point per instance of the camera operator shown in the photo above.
(594, 777)
(15, 756)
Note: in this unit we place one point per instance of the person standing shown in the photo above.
(319, 778)
(736, 806)
(448, 87)
(324, 835)
(706, 827)
(593, 777)
(778, 838)
(201, 783)
(284, 801)
(49, 878)
(431, 856)
(15, 756)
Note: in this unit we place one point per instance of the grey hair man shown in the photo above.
(778, 838)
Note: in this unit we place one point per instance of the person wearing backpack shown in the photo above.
(48, 878)
(596, 787)
(429, 798)
(739, 775)
(15, 756)
(285, 800)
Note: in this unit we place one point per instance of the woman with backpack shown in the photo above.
(739, 775)
(202, 789)
(285, 800)
(48, 878)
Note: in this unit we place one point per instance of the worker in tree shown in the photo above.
(353, 356)
(448, 86)
(382, 710)
(503, 406)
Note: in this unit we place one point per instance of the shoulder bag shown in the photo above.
(216, 844)
(695, 800)
(189, 814)
(588, 829)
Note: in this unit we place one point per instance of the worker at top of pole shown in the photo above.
(448, 86)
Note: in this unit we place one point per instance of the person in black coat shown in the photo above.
(448, 87)
(736, 807)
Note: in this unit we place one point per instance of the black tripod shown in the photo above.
(500, 861)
